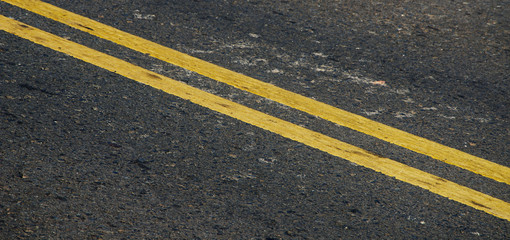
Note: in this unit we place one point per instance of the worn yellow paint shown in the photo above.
(286, 129)
(398, 137)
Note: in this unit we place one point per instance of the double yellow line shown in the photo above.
(333, 146)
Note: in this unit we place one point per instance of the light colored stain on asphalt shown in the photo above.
(140, 16)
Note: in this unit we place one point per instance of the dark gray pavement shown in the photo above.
(87, 154)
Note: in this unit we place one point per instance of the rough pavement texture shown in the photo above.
(86, 154)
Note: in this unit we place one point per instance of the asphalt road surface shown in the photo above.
(86, 153)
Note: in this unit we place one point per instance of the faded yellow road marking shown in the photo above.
(286, 129)
(398, 137)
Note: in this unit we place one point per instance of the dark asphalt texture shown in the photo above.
(88, 154)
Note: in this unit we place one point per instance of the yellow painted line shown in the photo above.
(286, 129)
(398, 137)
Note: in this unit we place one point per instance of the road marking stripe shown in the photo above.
(435, 184)
(395, 136)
